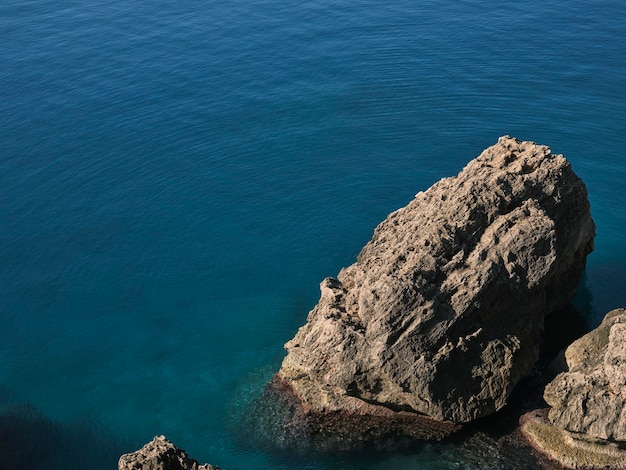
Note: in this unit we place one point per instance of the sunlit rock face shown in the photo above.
(443, 311)
(590, 397)
(585, 426)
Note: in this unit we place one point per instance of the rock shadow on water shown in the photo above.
(608, 283)
(27, 438)
(31, 441)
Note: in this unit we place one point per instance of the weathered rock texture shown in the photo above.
(588, 401)
(586, 424)
(443, 311)
(590, 398)
(568, 449)
(160, 454)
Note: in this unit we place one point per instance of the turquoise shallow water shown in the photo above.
(177, 178)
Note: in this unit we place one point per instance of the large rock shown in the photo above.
(586, 424)
(160, 454)
(443, 311)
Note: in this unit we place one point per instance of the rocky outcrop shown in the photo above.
(443, 311)
(590, 398)
(568, 449)
(160, 454)
(586, 423)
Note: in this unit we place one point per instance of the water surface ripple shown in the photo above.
(177, 178)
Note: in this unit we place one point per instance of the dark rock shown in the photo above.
(160, 454)
(443, 312)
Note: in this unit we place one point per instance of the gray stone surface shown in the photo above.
(443, 311)
(160, 454)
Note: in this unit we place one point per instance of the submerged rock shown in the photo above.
(160, 454)
(586, 424)
(443, 311)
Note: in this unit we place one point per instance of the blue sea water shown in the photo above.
(176, 178)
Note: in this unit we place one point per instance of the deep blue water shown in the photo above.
(176, 178)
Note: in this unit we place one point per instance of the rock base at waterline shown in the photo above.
(281, 420)
(585, 426)
(571, 450)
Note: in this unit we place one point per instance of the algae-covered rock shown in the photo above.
(569, 449)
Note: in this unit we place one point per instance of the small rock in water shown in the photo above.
(160, 454)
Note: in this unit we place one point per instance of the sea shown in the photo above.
(177, 178)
